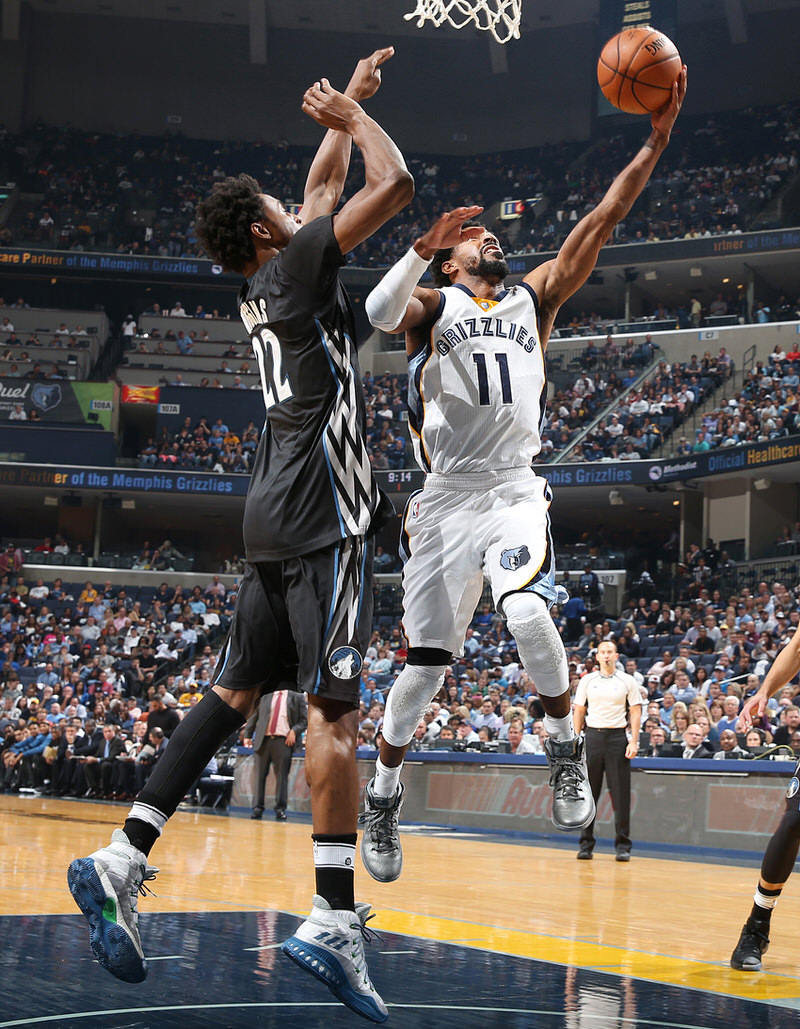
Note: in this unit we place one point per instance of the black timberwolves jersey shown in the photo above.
(312, 481)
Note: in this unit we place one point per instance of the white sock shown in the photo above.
(148, 814)
(559, 729)
(386, 779)
(334, 855)
(764, 901)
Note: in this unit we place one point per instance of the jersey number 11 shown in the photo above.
(483, 378)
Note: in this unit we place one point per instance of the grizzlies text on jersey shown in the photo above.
(477, 389)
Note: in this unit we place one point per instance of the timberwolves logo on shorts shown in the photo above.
(345, 663)
(515, 558)
(794, 786)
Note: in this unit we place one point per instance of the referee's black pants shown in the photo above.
(605, 754)
(274, 753)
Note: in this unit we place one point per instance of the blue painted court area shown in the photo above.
(223, 970)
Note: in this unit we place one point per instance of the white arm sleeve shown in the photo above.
(386, 305)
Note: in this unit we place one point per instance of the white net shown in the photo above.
(500, 17)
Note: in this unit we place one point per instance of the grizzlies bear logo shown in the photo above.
(345, 663)
(515, 558)
(46, 397)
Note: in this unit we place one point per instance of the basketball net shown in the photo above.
(500, 17)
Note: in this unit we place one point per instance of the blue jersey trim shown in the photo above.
(332, 366)
(535, 299)
(364, 550)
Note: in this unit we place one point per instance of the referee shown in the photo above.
(601, 702)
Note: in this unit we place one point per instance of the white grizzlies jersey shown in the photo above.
(477, 389)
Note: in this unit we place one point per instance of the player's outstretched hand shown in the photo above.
(445, 231)
(366, 78)
(330, 108)
(753, 708)
(664, 119)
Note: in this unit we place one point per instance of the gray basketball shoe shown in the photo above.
(573, 804)
(106, 887)
(380, 840)
(330, 945)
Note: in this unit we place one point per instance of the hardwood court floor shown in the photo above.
(477, 932)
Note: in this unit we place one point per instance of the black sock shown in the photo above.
(759, 914)
(141, 834)
(335, 883)
(191, 746)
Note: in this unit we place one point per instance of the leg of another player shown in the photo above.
(542, 653)
(776, 867)
(408, 699)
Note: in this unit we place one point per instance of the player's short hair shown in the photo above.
(438, 276)
(224, 218)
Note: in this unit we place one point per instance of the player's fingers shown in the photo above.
(380, 56)
(681, 84)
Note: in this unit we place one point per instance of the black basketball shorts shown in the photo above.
(303, 623)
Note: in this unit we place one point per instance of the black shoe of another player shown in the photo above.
(753, 942)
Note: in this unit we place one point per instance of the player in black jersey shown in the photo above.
(303, 613)
(781, 852)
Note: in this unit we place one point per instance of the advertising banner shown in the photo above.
(140, 394)
(118, 265)
(57, 401)
(123, 480)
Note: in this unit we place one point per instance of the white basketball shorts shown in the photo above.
(460, 529)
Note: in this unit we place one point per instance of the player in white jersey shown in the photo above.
(476, 400)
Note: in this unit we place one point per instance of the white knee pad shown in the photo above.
(538, 642)
(414, 689)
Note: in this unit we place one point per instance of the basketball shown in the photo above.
(637, 69)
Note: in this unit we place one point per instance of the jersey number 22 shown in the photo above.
(274, 384)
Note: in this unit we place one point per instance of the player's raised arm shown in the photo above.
(389, 185)
(328, 171)
(556, 281)
(784, 668)
(397, 304)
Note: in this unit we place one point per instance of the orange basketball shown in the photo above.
(637, 69)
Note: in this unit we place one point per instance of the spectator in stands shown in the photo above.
(215, 588)
(729, 746)
(168, 553)
(693, 744)
(184, 343)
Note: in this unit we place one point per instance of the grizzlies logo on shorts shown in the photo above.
(514, 558)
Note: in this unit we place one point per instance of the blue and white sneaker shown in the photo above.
(106, 887)
(330, 945)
